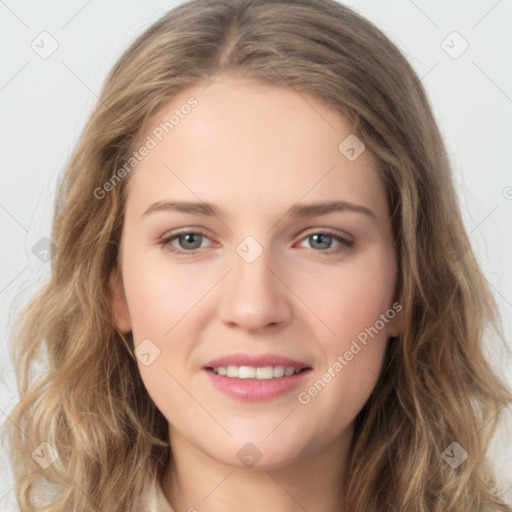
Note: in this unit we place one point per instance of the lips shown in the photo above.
(249, 377)
(256, 361)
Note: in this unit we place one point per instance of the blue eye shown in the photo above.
(190, 242)
(323, 242)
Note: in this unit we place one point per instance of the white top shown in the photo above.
(157, 502)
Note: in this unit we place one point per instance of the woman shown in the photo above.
(262, 294)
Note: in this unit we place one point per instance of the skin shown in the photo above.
(255, 151)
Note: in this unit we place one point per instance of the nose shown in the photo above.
(254, 296)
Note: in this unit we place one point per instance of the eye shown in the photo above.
(323, 241)
(187, 242)
(190, 242)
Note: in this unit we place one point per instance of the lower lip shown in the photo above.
(254, 390)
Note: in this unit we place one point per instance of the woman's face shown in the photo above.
(253, 242)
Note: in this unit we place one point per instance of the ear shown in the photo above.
(119, 303)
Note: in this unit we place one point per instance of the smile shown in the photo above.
(259, 373)
(256, 383)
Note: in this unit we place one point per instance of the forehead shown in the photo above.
(255, 144)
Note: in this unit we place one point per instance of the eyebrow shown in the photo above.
(296, 211)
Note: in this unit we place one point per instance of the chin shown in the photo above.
(257, 455)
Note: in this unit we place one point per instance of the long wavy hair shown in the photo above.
(89, 406)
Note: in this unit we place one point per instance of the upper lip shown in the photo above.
(255, 360)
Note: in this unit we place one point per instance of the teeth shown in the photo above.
(260, 372)
(289, 370)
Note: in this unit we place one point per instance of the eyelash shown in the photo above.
(345, 242)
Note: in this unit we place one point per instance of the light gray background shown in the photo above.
(45, 102)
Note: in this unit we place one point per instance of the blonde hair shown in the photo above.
(436, 386)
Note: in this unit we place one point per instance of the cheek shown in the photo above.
(357, 308)
(161, 295)
(165, 311)
(353, 359)
(352, 297)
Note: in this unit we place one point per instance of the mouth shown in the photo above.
(255, 378)
(257, 372)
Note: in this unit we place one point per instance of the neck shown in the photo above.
(195, 481)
